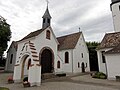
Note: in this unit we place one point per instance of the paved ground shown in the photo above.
(83, 82)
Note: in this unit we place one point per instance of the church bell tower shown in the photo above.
(115, 8)
(46, 19)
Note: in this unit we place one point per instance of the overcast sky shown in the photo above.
(92, 16)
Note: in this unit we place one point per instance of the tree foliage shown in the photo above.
(93, 55)
(5, 35)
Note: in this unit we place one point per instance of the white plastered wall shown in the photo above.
(116, 16)
(113, 65)
(80, 48)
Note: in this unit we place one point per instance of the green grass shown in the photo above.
(3, 88)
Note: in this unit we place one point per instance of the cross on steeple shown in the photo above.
(46, 18)
(47, 2)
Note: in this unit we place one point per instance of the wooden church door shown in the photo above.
(46, 61)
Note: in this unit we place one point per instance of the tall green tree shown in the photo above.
(93, 55)
(5, 35)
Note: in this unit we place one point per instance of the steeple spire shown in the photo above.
(46, 18)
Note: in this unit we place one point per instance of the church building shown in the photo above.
(109, 49)
(41, 52)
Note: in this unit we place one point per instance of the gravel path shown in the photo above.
(63, 83)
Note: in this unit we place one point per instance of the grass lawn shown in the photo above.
(3, 88)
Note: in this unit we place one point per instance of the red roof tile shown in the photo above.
(110, 40)
(68, 41)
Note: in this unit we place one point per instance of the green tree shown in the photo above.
(5, 35)
(93, 55)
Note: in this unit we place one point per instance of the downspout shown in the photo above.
(72, 61)
(106, 68)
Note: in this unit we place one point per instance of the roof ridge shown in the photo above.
(69, 34)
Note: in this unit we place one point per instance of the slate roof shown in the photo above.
(68, 41)
(46, 14)
(114, 50)
(110, 40)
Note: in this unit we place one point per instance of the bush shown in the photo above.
(3, 88)
(99, 75)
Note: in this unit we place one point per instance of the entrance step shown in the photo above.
(48, 76)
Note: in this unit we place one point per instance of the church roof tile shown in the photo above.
(68, 41)
(32, 34)
(114, 50)
(110, 40)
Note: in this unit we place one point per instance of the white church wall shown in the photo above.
(116, 16)
(59, 58)
(102, 66)
(65, 67)
(80, 49)
(113, 65)
(10, 65)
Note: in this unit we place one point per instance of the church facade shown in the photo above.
(41, 52)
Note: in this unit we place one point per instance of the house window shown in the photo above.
(58, 64)
(48, 20)
(44, 20)
(78, 65)
(82, 55)
(48, 34)
(11, 58)
(29, 63)
(66, 57)
(103, 57)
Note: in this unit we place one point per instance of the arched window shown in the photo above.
(78, 65)
(11, 58)
(58, 64)
(29, 63)
(48, 34)
(66, 57)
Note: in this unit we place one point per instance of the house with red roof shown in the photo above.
(109, 49)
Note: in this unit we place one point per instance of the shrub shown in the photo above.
(99, 75)
(3, 88)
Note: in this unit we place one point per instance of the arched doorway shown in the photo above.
(24, 69)
(46, 61)
(83, 67)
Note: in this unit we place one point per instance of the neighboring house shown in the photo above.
(41, 52)
(109, 49)
(108, 44)
(11, 57)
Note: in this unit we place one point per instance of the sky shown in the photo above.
(92, 16)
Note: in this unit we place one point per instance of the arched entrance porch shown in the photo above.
(46, 60)
(24, 69)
